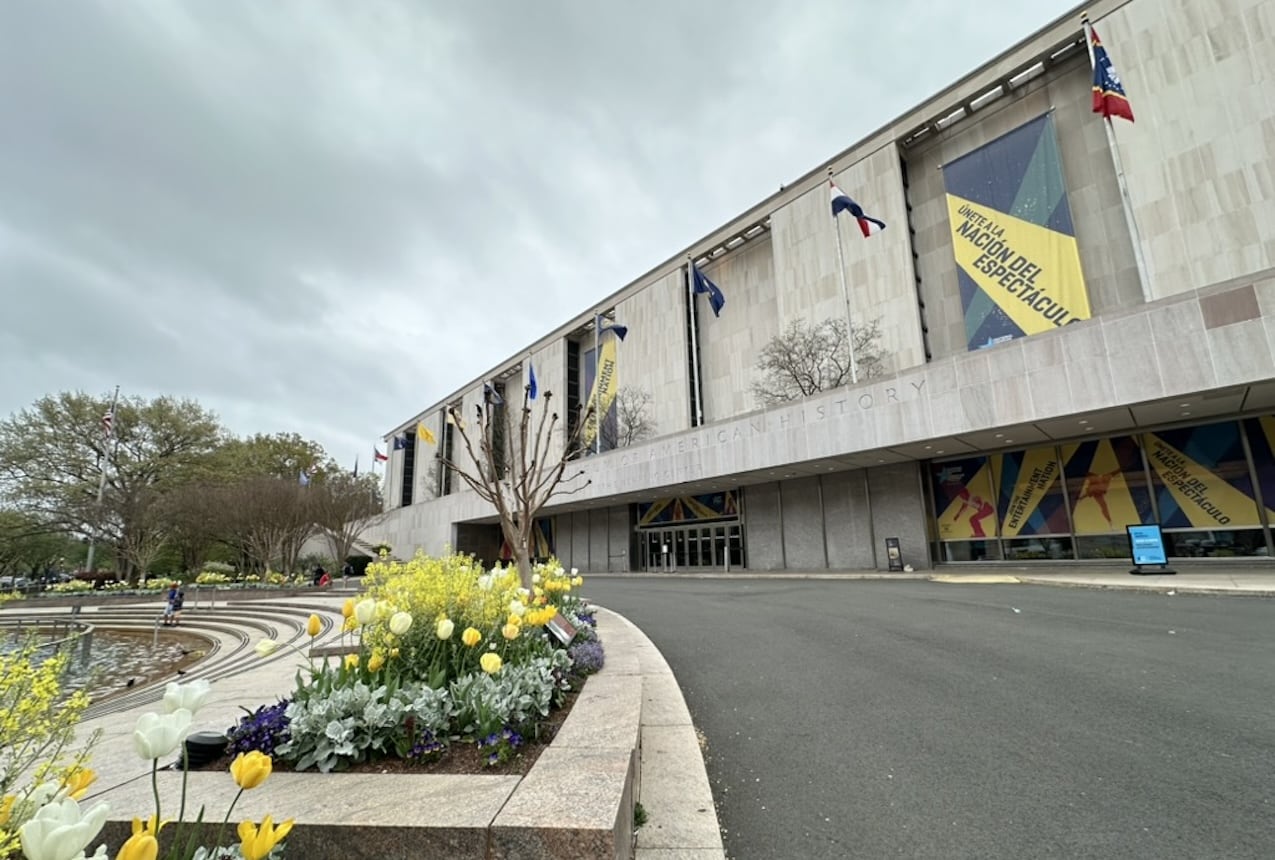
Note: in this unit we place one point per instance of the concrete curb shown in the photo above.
(1149, 588)
(673, 784)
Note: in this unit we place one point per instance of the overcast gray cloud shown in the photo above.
(322, 216)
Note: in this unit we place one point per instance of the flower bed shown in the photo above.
(440, 652)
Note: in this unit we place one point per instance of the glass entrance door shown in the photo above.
(708, 547)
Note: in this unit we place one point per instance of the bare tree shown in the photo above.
(141, 542)
(266, 519)
(631, 422)
(343, 507)
(810, 357)
(533, 473)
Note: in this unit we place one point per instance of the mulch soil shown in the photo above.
(462, 757)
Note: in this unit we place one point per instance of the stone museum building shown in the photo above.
(1066, 327)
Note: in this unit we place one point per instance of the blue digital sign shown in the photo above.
(1146, 544)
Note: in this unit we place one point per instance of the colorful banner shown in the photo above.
(1201, 477)
(963, 499)
(602, 385)
(1031, 496)
(1107, 485)
(541, 538)
(685, 509)
(1261, 442)
(1013, 239)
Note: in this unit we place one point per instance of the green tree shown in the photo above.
(29, 546)
(52, 454)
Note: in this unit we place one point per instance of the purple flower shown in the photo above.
(586, 657)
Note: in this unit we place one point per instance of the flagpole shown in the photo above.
(1126, 203)
(597, 388)
(845, 293)
(694, 320)
(101, 488)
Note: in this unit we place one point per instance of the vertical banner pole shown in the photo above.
(1126, 203)
(694, 319)
(845, 292)
(597, 388)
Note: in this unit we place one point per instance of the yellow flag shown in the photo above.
(423, 432)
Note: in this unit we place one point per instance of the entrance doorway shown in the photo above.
(706, 547)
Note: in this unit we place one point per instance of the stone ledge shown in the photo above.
(576, 801)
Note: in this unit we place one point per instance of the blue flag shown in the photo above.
(532, 388)
(701, 284)
(604, 327)
(400, 442)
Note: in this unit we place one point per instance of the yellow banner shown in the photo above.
(1207, 499)
(606, 381)
(1032, 273)
(972, 514)
(1036, 477)
(1104, 503)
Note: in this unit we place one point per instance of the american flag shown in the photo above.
(108, 424)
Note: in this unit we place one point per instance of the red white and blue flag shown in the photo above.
(841, 202)
(1108, 93)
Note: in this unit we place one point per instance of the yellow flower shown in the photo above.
(350, 624)
(471, 637)
(510, 631)
(490, 662)
(250, 769)
(6, 809)
(393, 652)
(151, 825)
(78, 781)
(140, 846)
(347, 608)
(514, 619)
(577, 581)
(256, 843)
(351, 661)
(313, 626)
(376, 662)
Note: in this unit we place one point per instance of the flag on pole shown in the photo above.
(424, 433)
(400, 442)
(842, 202)
(108, 424)
(701, 284)
(1108, 93)
(532, 388)
(604, 327)
(377, 456)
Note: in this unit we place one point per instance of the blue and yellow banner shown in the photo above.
(605, 382)
(1107, 484)
(1031, 496)
(964, 499)
(1202, 479)
(1017, 261)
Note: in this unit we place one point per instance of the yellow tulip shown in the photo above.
(6, 809)
(393, 652)
(77, 782)
(151, 825)
(376, 662)
(257, 842)
(250, 769)
(510, 631)
(313, 626)
(490, 662)
(347, 608)
(471, 637)
(351, 661)
(140, 846)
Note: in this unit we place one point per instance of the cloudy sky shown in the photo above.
(323, 216)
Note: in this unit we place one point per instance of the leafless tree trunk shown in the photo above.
(531, 476)
(807, 358)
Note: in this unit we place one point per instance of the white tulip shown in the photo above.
(365, 611)
(189, 696)
(400, 623)
(266, 647)
(517, 607)
(444, 628)
(60, 831)
(156, 735)
(484, 582)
